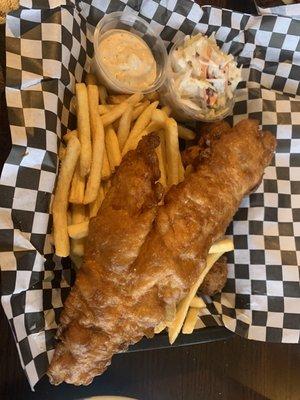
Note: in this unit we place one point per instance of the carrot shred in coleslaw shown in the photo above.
(204, 76)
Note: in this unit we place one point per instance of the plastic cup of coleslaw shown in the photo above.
(185, 107)
(130, 72)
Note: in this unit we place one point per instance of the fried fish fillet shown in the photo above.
(124, 291)
(209, 132)
(115, 238)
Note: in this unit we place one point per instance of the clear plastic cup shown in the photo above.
(169, 96)
(138, 26)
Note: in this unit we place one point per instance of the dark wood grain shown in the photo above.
(245, 6)
(236, 369)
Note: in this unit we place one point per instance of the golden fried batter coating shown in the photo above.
(141, 261)
(209, 132)
(216, 278)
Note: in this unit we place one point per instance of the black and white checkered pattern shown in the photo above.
(49, 47)
(279, 7)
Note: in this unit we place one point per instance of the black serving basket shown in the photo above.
(106, 383)
(273, 3)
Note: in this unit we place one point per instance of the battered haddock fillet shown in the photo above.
(121, 295)
(115, 238)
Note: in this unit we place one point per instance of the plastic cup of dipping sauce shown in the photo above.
(128, 56)
(201, 80)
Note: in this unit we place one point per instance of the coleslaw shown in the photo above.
(203, 77)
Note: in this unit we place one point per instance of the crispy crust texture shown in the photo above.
(142, 259)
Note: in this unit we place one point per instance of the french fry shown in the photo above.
(186, 133)
(77, 187)
(172, 151)
(91, 80)
(184, 304)
(197, 302)
(114, 114)
(135, 98)
(190, 321)
(97, 130)
(77, 247)
(83, 128)
(199, 324)
(118, 98)
(78, 231)
(160, 151)
(162, 179)
(119, 109)
(167, 110)
(124, 126)
(102, 94)
(61, 151)
(160, 327)
(141, 123)
(139, 109)
(125, 98)
(181, 171)
(96, 204)
(106, 170)
(69, 135)
(152, 127)
(78, 213)
(222, 246)
(163, 151)
(112, 148)
(105, 108)
(159, 116)
(169, 318)
(78, 216)
(60, 202)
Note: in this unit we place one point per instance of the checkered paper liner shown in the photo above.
(279, 8)
(49, 48)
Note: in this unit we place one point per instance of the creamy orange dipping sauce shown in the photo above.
(128, 59)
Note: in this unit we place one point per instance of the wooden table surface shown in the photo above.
(236, 369)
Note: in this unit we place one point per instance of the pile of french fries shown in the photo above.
(108, 126)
